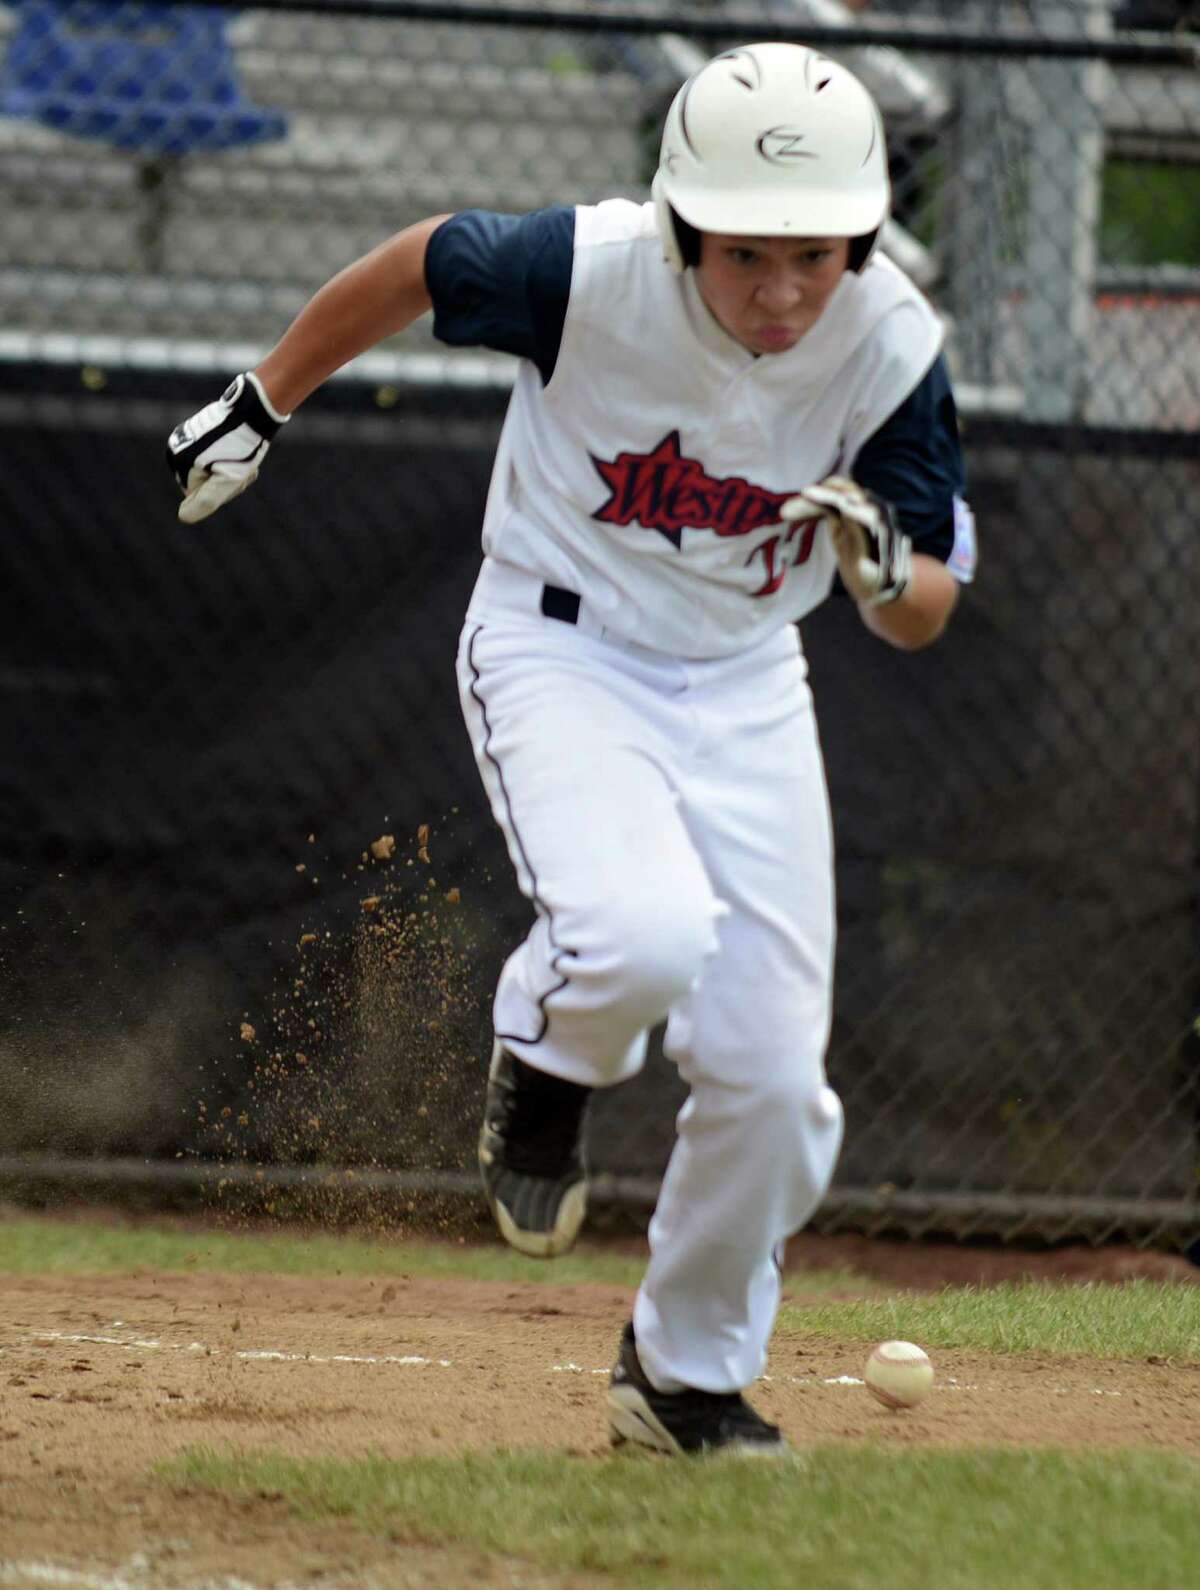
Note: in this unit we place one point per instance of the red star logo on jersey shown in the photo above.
(665, 491)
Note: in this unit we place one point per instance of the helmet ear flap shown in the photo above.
(666, 218)
(680, 240)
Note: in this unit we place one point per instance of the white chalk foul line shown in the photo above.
(104, 1341)
(791, 1380)
(416, 1360)
(52, 1573)
(406, 1359)
(251, 1354)
(946, 1383)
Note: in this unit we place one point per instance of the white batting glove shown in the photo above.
(217, 453)
(874, 556)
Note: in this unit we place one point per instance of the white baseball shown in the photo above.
(899, 1374)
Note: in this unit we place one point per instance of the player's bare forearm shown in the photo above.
(377, 296)
(919, 616)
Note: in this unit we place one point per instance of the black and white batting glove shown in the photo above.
(874, 556)
(218, 452)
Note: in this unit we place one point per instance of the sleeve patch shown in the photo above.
(964, 555)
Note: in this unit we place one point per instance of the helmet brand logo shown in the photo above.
(781, 146)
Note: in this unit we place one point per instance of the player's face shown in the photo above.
(766, 292)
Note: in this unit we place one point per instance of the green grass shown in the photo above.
(1135, 1320)
(36, 1247)
(834, 1519)
(46, 1247)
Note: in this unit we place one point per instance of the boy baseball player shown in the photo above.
(727, 402)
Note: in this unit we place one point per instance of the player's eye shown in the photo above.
(743, 256)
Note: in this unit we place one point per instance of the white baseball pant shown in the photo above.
(669, 822)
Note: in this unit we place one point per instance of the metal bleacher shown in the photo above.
(386, 123)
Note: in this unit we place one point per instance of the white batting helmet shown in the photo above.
(772, 140)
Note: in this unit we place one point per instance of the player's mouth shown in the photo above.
(776, 339)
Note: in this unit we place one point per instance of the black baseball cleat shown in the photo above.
(531, 1155)
(692, 1423)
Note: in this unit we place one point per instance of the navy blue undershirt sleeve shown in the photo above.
(915, 461)
(503, 281)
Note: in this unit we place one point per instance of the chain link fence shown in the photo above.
(251, 903)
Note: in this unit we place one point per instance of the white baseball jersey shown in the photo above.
(643, 463)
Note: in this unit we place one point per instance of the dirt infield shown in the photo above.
(104, 1376)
